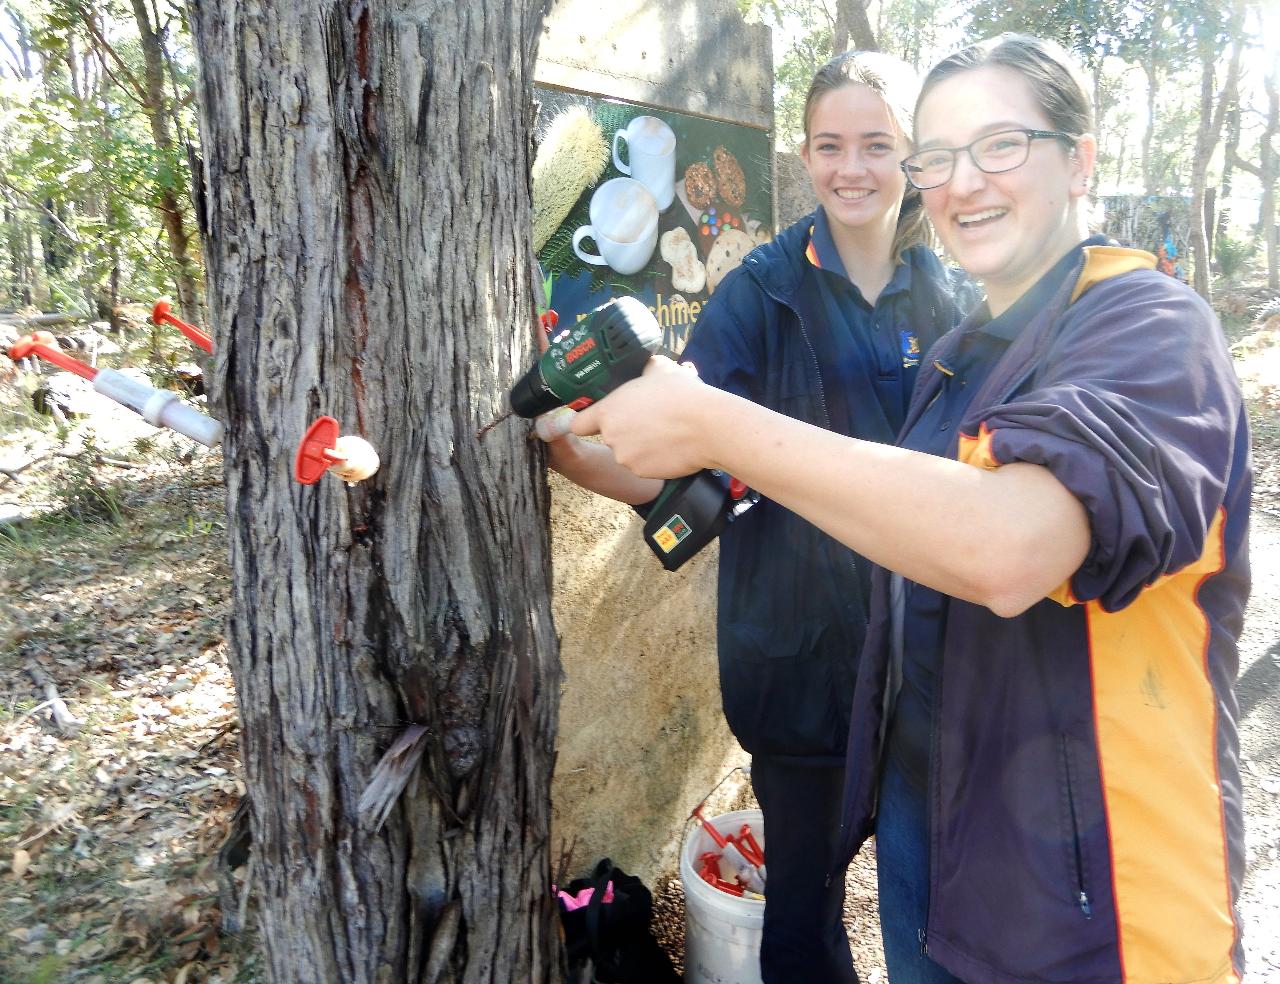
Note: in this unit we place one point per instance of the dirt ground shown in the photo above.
(111, 612)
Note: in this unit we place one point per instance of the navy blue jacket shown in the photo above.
(1084, 797)
(793, 601)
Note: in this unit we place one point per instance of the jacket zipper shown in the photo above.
(826, 416)
(931, 783)
(804, 333)
(817, 371)
(1082, 896)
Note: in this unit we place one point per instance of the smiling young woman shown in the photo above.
(1042, 735)
(825, 325)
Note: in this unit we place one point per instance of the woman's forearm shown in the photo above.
(1003, 538)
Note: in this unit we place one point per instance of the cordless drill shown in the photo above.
(587, 361)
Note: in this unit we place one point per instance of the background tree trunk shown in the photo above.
(1151, 67)
(1267, 171)
(1212, 112)
(156, 108)
(368, 257)
(852, 28)
(1270, 171)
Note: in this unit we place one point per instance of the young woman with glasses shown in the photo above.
(826, 325)
(1043, 737)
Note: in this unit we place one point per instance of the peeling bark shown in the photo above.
(368, 257)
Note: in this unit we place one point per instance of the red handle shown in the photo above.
(162, 313)
(41, 343)
(315, 451)
(715, 835)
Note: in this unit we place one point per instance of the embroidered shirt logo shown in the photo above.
(910, 349)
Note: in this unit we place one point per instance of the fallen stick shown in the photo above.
(13, 473)
(67, 722)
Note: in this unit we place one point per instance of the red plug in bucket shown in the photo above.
(723, 924)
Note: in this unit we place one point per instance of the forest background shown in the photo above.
(108, 843)
(98, 130)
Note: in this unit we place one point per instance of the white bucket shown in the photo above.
(721, 931)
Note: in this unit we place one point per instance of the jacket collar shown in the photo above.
(1095, 261)
(781, 265)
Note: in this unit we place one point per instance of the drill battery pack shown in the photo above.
(691, 512)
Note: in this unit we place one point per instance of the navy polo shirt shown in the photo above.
(857, 335)
(982, 344)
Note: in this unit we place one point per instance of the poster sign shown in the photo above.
(679, 202)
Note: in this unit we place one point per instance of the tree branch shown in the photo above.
(103, 46)
(17, 61)
(1239, 162)
(37, 204)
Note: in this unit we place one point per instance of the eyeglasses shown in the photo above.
(993, 154)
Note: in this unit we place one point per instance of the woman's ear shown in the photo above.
(1085, 155)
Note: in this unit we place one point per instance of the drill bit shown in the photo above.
(491, 425)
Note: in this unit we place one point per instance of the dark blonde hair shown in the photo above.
(1056, 83)
(897, 84)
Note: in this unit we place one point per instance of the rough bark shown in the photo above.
(368, 257)
(1269, 172)
(1230, 152)
(155, 107)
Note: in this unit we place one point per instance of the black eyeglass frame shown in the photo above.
(1066, 138)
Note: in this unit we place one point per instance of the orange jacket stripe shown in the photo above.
(1156, 651)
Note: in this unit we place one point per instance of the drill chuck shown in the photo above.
(530, 396)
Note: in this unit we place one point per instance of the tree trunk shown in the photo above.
(368, 257)
(853, 24)
(1230, 152)
(1151, 66)
(156, 110)
(1212, 113)
(1269, 174)
(1199, 175)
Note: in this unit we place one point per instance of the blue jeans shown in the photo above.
(902, 875)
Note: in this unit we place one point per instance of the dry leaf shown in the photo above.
(21, 862)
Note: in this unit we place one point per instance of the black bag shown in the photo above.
(615, 936)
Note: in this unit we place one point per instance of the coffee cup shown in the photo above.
(624, 226)
(651, 151)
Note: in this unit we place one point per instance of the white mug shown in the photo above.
(624, 225)
(651, 148)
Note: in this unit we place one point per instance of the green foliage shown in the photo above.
(914, 30)
(1233, 254)
(81, 177)
(1091, 29)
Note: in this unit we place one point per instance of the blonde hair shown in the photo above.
(896, 82)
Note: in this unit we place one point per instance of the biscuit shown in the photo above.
(687, 271)
(729, 177)
(726, 253)
(699, 185)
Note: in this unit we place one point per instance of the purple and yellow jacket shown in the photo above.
(1084, 794)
